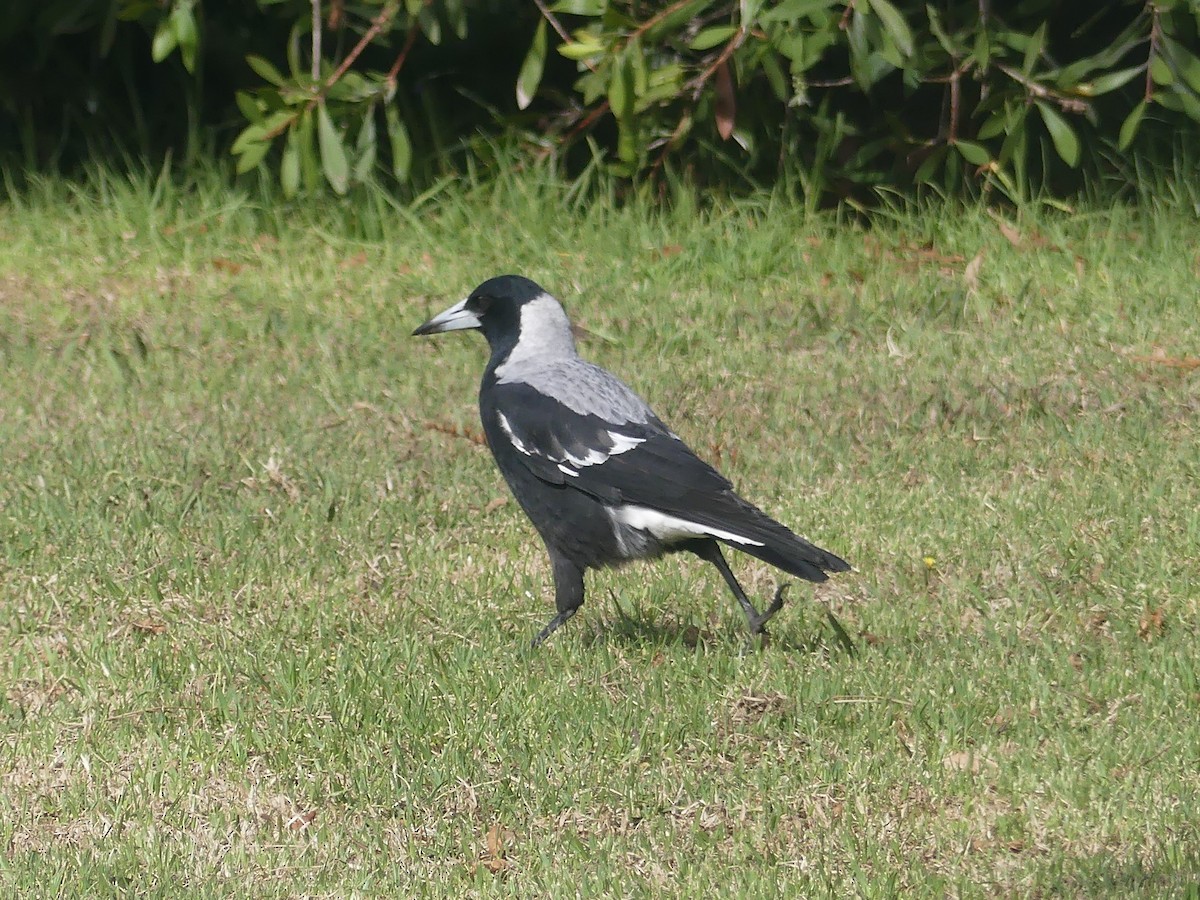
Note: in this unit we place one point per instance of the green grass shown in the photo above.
(264, 609)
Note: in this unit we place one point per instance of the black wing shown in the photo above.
(627, 462)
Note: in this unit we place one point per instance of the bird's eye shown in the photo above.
(479, 303)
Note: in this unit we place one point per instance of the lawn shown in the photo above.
(265, 603)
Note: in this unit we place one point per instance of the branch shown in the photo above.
(654, 20)
(954, 77)
(316, 40)
(697, 84)
(557, 26)
(377, 24)
(1155, 36)
(553, 20)
(409, 40)
(1041, 92)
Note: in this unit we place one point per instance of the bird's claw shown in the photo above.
(757, 625)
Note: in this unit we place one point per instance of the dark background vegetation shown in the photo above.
(838, 99)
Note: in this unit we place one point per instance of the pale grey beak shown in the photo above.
(456, 318)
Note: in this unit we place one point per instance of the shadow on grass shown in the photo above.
(635, 629)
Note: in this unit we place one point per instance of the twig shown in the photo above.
(587, 120)
(654, 20)
(832, 82)
(409, 40)
(557, 26)
(377, 24)
(552, 19)
(316, 40)
(667, 143)
(1155, 36)
(954, 105)
(844, 22)
(697, 84)
(1068, 104)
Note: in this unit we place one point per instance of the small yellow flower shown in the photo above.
(930, 562)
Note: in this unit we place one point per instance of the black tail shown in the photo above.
(780, 546)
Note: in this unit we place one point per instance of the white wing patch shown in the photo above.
(516, 441)
(670, 529)
(620, 443)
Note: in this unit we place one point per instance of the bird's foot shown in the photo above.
(759, 620)
(552, 626)
(758, 632)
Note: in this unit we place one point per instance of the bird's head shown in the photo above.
(509, 310)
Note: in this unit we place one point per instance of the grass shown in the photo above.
(265, 603)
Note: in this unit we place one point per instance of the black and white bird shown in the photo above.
(600, 476)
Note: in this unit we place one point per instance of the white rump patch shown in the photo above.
(670, 529)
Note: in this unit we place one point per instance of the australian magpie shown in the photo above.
(600, 476)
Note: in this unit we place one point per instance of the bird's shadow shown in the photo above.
(632, 628)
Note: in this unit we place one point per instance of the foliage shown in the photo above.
(845, 97)
(875, 92)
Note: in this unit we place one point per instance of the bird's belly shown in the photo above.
(569, 520)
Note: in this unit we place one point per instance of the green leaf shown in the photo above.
(533, 66)
(1065, 140)
(775, 77)
(637, 66)
(401, 146)
(1109, 82)
(580, 7)
(248, 106)
(1160, 71)
(333, 153)
(431, 25)
(263, 130)
(949, 44)
(710, 37)
(791, 10)
(975, 154)
(251, 155)
(365, 146)
(674, 19)
(620, 88)
(996, 123)
(626, 142)
(894, 24)
(164, 40)
(578, 50)
(929, 167)
(289, 166)
(1184, 62)
(748, 12)
(1129, 128)
(983, 50)
(1190, 104)
(251, 134)
(184, 24)
(265, 70)
(310, 166)
(1033, 49)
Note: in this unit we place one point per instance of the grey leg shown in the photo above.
(711, 551)
(568, 594)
